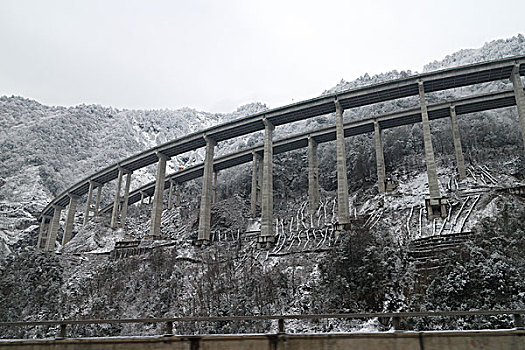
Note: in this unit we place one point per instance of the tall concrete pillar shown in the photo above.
(116, 202)
(124, 210)
(97, 202)
(70, 218)
(170, 195)
(43, 232)
(380, 158)
(256, 163)
(266, 235)
(206, 196)
(457, 144)
(142, 196)
(343, 211)
(520, 98)
(433, 184)
(177, 195)
(89, 208)
(314, 195)
(156, 212)
(214, 199)
(53, 228)
(260, 174)
(88, 202)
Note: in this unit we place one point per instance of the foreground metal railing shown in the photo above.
(395, 317)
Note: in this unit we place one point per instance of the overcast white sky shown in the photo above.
(218, 55)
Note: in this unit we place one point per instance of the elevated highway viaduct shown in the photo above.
(510, 68)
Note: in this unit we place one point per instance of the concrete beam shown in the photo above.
(314, 195)
(124, 210)
(53, 228)
(380, 158)
(70, 218)
(520, 98)
(343, 211)
(116, 202)
(206, 196)
(433, 184)
(266, 235)
(256, 163)
(460, 161)
(156, 212)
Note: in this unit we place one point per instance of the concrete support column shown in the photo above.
(170, 195)
(116, 202)
(70, 218)
(88, 202)
(177, 195)
(53, 228)
(520, 98)
(457, 144)
(256, 163)
(343, 212)
(260, 174)
(43, 232)
(156, 212)
(314, 195)
(380, 158)
(97, 202)
(142, 196)
(124, 211)
(433, 184)
(206, 196)
(214, 199)
(266, 235)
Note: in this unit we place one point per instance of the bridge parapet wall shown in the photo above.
(492, 339)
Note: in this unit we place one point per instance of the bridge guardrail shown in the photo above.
(395, 318)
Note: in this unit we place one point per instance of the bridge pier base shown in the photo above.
(156, 211)
(53, 228)
(203, 236)
(70, 218)
(520, 98)
(436, 205)
(124, 210)
(460, 161)
(314, 195)
(380, 158)
(343, 212)
(266, 237)
(255, 196)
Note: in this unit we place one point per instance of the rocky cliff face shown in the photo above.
(386, 262)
